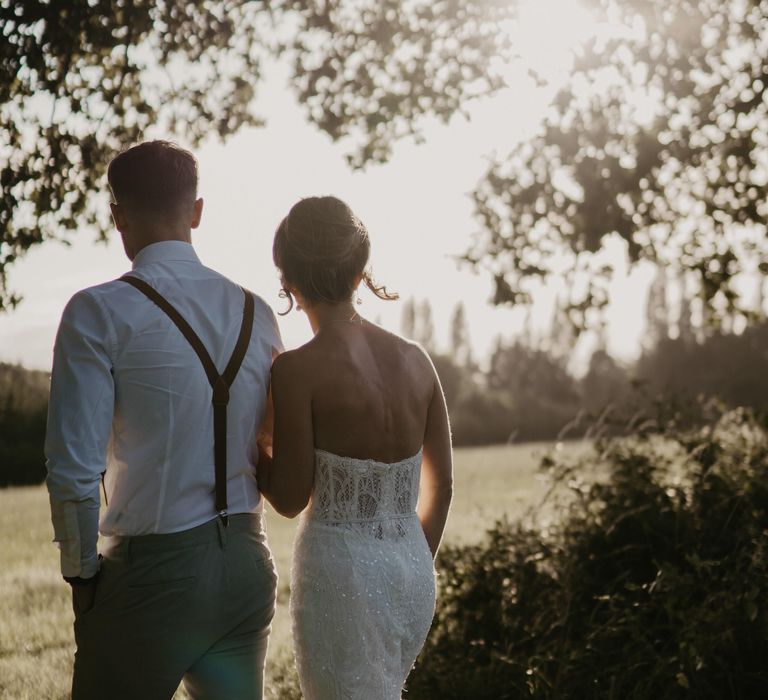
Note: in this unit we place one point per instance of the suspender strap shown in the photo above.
(220, 383)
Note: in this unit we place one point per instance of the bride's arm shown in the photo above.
(262, 455)
(286, 477)
(265, 431)
(436, 489)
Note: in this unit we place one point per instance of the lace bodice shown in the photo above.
(349, 490)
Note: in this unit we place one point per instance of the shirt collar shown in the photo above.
(165, 251)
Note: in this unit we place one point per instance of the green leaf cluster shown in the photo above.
(657, 138)
(82, 79)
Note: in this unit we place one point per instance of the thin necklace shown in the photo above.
(355, 318)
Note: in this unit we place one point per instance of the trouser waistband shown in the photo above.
(201, 534)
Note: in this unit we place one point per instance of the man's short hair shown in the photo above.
(156, 178)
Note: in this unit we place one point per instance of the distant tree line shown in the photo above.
(23, 406)
(526, 392)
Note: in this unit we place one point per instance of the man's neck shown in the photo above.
(143, 241)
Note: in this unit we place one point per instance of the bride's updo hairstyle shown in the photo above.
(321, 248)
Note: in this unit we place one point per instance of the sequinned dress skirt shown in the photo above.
(362, 602)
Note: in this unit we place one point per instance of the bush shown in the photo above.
(23, 407)
(282, 679)
(651, 585)
(22, 436)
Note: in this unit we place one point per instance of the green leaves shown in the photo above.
(657, 137)
(660, 143)
(79, 81)
(370, 71)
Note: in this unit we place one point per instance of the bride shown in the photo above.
(361, 435)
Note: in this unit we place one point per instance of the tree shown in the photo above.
(606, 383)
(81, 79)
(544, 395)
(657, 311)
(416, 322)
(685, 326)
(656, 137)
(371, 70)
(461, 346)
(23, 407)
(425, 326)
(723, 366)
(408, 318)
(561, 337)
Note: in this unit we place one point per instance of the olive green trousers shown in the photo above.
(195, 606)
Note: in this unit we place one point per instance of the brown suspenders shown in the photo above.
(220, 383)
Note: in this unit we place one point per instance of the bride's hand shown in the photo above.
(263, 467)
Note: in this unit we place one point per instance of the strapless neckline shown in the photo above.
(369, 461)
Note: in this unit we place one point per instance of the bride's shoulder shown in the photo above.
(390, 336)
(288, 363)
(299, 362)
(411, 347)
(411, 351)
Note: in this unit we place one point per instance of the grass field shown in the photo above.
(36, 641)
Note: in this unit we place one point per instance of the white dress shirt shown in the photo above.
(129, 396)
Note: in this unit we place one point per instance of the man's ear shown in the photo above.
(117, 216)
(197, 213)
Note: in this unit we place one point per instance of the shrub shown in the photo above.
(23, 406)
(651, 584)
(282, 679)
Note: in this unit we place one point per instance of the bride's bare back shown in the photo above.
(371, 391)
(359, 391)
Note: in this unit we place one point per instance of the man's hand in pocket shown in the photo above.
(83, 594)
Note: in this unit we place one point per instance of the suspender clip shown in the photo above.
(224, 515)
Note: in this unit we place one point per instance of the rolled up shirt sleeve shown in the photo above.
(80, 413)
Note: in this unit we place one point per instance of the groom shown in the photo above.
(142, 406)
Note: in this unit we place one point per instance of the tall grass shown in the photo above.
(36, 641)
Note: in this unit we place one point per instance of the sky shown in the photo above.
(416, 207)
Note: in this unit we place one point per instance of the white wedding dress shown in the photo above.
(362, 582)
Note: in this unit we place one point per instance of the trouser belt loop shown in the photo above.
(222, 527)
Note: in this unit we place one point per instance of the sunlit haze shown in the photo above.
(549, 30)
(416, 208)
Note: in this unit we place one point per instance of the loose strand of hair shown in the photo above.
(379, 290)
